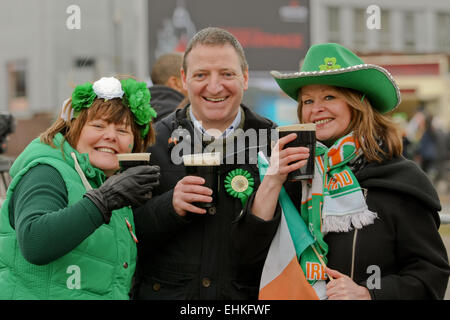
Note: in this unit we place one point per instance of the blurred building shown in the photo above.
(406, 26)
(274, 35)
(411, 39)
(424, 81)
(49, 46)
(45, 53)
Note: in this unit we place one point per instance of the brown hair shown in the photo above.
(166, 66)
(112, 111)
(213, 36)
(369, 127)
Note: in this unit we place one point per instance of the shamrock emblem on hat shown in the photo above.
(330, 64)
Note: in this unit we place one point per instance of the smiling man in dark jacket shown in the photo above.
(185, 252)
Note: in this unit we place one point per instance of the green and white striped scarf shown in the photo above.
(332, 201)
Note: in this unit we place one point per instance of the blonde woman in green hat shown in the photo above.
(66, 226)
(372, 213)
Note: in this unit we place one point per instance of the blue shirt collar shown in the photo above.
(226, 133)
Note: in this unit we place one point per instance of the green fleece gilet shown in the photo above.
(100, 267)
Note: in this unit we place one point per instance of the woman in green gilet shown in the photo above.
(66, 226)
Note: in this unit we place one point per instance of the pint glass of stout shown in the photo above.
(306, 137)
(128, 160)
(205, 165)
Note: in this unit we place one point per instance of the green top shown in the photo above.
(53, 242)
(46, 227)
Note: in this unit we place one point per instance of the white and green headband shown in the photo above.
(134, 94)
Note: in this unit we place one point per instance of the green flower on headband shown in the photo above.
(82, 97)
(330, 64)
(137, 97)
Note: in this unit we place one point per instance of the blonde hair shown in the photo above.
(369, 127)
(112, 111)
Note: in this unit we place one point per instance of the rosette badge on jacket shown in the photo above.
(134, 94)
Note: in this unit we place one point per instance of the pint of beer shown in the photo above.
(306, 137)
(204, 165)
(128, 160)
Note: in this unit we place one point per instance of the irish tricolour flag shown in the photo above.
(282, 276)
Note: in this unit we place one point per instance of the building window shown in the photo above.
(84, 62)
(409, 31)
(442, 28)
(17, 86)
(333, 25)
(360, 28)
(84, 69)
(385, 31)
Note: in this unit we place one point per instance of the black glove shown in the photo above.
(131, 187)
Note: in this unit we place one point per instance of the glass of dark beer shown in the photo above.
(205, 165)
(128, 160)
(306, 137)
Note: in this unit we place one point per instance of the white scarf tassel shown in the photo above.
(345, 223)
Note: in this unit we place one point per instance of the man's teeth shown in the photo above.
(322, 121)
(106, 150)
(215, 99)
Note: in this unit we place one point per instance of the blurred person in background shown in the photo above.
(427, 150)
(400, 119)
(441, 177)
(66, 227)
(167, 92)
(416, 125)
(366, 205)
(7, 126)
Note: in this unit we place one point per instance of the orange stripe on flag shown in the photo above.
(291, 284)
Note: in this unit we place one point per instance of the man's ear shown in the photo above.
(172, 82)
(183, 78)
(177, 84)
(245, 75)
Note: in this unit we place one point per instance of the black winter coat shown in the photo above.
(191, 257)
(403, 243)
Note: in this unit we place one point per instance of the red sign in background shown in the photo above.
(274, 33)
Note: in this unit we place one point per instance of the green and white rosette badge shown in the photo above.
(239, 184)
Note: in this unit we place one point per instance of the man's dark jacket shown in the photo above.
(191, 257)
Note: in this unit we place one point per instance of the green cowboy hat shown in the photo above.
(334, 65)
